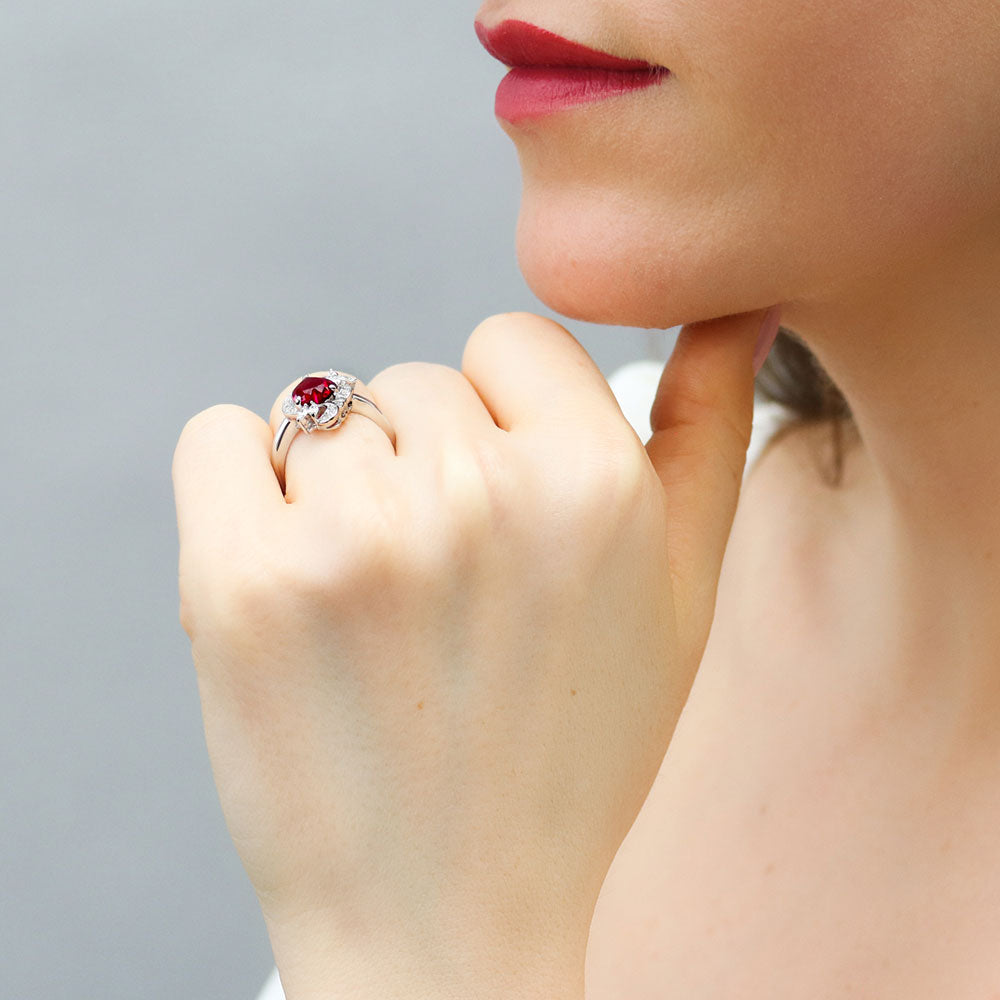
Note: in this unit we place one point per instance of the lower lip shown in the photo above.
(533, 91)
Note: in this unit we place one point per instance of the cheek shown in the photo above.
(799, 148)
(868, 128)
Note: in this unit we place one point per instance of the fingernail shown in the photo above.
(765, 339)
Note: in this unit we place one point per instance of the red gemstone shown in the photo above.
(313, 390)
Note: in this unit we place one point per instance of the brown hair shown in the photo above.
(793, 377)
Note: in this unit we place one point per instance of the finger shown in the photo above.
(702, 418)
(224, 487)
(430, 405)
(530, 371)
(319, 463)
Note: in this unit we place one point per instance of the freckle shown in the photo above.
(769, 868)
(571, 691)
(763, 808)
(420, 704)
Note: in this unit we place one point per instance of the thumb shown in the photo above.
(701, 420)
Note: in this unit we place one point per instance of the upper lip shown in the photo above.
(518, 43)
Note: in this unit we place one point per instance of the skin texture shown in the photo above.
(838, 160)
(842, 159)
(413, 689)
(760, 158)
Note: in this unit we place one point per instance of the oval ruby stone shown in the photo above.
(313, 390)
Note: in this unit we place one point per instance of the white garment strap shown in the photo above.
(272, 988)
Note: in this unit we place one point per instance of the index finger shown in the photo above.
(530, 370)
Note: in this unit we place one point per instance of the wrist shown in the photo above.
(431, 961)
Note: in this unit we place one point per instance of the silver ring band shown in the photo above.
(323, 403)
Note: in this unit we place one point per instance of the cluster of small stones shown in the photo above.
(317, 402)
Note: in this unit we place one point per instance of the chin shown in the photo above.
(601, 264)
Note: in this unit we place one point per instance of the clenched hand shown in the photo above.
(438, 681)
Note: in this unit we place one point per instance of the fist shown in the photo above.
(438, 679)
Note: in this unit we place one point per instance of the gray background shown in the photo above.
(198, 202)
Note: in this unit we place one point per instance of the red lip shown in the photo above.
(517, 43)
(550, 73)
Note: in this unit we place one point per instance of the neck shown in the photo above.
(919, 364)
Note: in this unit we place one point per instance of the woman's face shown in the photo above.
(797, 150)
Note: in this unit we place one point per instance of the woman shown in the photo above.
(439, 677)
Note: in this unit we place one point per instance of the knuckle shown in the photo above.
(494, 332)
(499, 323)
(495, 324)
(409, 372)
(214, 420)
(206, 428)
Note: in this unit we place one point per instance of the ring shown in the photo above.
(322, 403)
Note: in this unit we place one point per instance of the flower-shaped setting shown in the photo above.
(320, 403)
